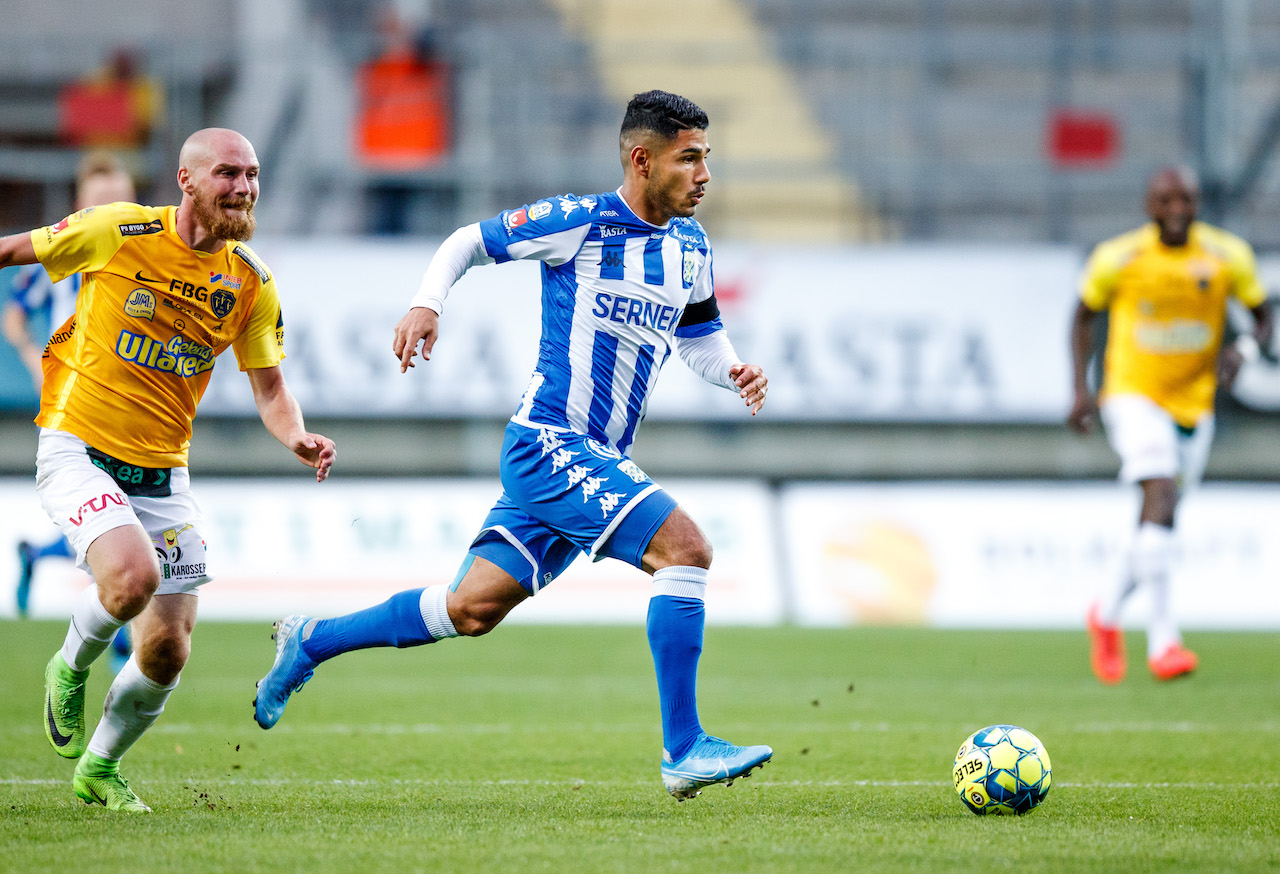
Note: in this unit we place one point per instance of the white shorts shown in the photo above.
(1151, 445)
(85, 502)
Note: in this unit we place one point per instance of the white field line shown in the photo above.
(418, 728)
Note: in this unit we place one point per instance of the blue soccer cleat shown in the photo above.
(291, 670)
(709, 761)
(26, 569)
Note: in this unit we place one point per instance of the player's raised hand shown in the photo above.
(318, 451)
(419, 325)
(752, 384)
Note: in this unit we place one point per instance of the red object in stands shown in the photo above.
(98, 114)
(1081, 137)
(403, 119)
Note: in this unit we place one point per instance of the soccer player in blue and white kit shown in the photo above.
(626, 275)
(100, 179)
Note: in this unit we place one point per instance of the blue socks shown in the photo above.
(59, 547)
(677, 614)
(397, 622)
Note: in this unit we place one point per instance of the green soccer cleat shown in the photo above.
(64, 707)
(98, 781)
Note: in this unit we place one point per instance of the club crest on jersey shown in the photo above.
(141, 304)
(226, 279)
(690, 269)
(1202, 271)
(222, 302)
(540, 210)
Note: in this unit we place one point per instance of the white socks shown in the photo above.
(133, 704)
(681, 582)
(91, 630)
(1150, 561)
(435, 612)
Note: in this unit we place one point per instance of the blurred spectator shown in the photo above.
(403, 112)
(115, 107)
(101, 178)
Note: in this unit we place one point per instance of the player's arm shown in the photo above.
(463, 250)
(1084, 406)
(17, 330)
(1248, 346)
(283, 418)
(16, 249)
(1247, 290)
(1097, 286)
(704, 347)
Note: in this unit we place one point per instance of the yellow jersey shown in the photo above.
(1168, 305)
(126, 371)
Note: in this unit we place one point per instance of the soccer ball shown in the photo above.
(1002, 769)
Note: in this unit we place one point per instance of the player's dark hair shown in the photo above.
(664, 113)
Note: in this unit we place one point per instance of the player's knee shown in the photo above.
(696, 553)
(680, 542)
(474, 619)
(163, 657)
(689, 547)
(127, 588)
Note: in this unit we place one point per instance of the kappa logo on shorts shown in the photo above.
(549, 440)
(561, 458)
(590, 486)
(609, 502)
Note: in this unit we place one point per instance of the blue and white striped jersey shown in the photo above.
(35, 293)
(616, 291)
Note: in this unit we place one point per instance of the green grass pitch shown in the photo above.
(536, 749)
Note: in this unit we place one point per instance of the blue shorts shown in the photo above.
(564, 494)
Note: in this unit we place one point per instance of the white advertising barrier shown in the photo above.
(291, 546)
(1019, 555)
(901, 333)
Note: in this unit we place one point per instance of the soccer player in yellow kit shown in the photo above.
(166, 290)
(1166, 287)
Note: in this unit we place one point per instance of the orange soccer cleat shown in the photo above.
(1106, 649)
(1176, 661)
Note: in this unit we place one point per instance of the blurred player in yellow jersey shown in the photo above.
(1166, 286)
(165, 291)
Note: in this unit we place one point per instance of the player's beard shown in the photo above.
(221, 226)
(670, 191)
